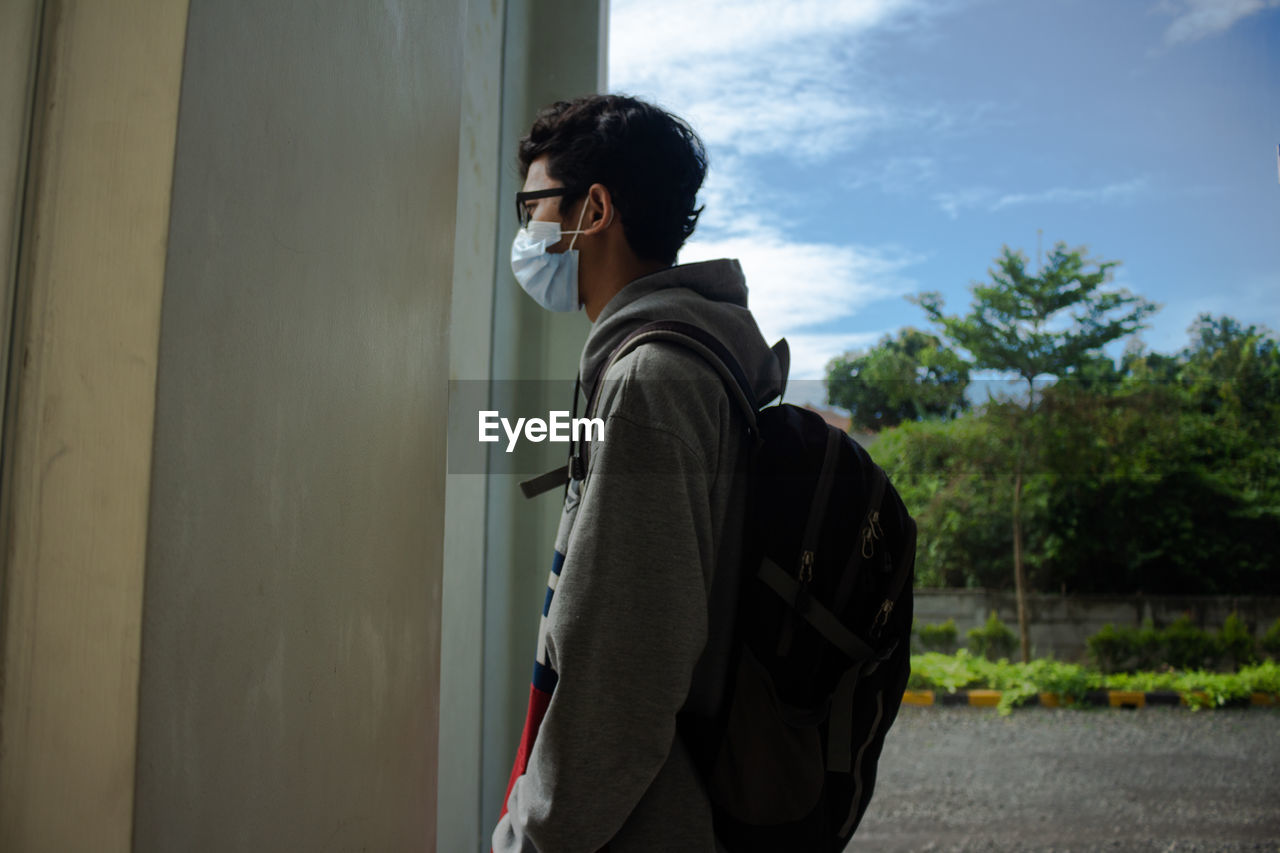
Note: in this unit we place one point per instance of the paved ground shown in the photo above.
(1157, 779)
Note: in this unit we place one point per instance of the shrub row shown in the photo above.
(993, 640)
(1180, 645)
(1019, 682)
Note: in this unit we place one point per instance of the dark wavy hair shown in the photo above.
(651, 162)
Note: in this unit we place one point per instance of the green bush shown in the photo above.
(936, 671)
(993, 640)
(1235, 643)
(1112, 648)
(940, 637)
(1069, 680)
(1126, 649)
(1262, 678)
(1188, 647)
(1271, 640)
(1180, 645)
(1107, 648)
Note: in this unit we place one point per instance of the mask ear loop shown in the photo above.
(578, 228)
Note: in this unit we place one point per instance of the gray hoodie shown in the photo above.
(638, 616)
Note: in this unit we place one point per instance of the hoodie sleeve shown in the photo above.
(628, 621)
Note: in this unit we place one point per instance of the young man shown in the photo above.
(639, 604)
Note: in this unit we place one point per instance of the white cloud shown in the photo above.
(810, 354)
(983, 198)
(757, 75)
(1197, 19)
(895, 175)
(796, 286)
(674, 30)
(952, 203)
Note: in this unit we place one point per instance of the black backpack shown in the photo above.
(822, 636)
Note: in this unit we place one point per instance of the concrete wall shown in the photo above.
(281, 686)
(476, 265)
(292, 610)
(79, 412)
(19, 38)
(1060, 625)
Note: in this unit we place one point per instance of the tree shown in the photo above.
(1168, 480)
(909, 378)
(1159, 476)
(1233, 370)
(1044, 324)
(943, 471)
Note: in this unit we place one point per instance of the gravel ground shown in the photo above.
(1156, 779)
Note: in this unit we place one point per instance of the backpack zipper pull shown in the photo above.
(882, 617)
(870, 532)
(806, 567)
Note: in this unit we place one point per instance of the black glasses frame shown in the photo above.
(524, 214)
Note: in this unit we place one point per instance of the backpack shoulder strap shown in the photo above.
(692, 337)
(697, 339)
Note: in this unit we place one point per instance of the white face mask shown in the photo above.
(550, 278)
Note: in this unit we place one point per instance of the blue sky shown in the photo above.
(862, 151)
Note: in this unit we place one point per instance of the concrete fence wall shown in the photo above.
(1061, 624)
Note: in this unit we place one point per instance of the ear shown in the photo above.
(600, 210)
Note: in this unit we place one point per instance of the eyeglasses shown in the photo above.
(524, 212)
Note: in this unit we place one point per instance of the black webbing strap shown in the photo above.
(819, 618)
(822, 493)
(855, 559)
(675, 331)
(902, 571)
(812, 528)
(544, 483)
(906, 563)
(840, 723)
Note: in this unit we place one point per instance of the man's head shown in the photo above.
(650, 162)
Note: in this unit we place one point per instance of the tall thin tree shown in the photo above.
(1045, 324)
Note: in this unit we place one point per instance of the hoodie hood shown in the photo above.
(711, 295)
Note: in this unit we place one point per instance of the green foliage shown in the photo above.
(1204, 689)
(1126, 649)
(1013, 324)
(1020, 681)
(1199, 688)
(1017, 682)
(909, 378)
(1188, 647)
(1235, 642)
(946, 475)
(1051, 323)
(1068, 680)
(1261, 678)
(1180, 645)
(1160, 475)
(938, 638)
(993, 640)
(936, 671)
(1168, 470)
(1271, 640)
